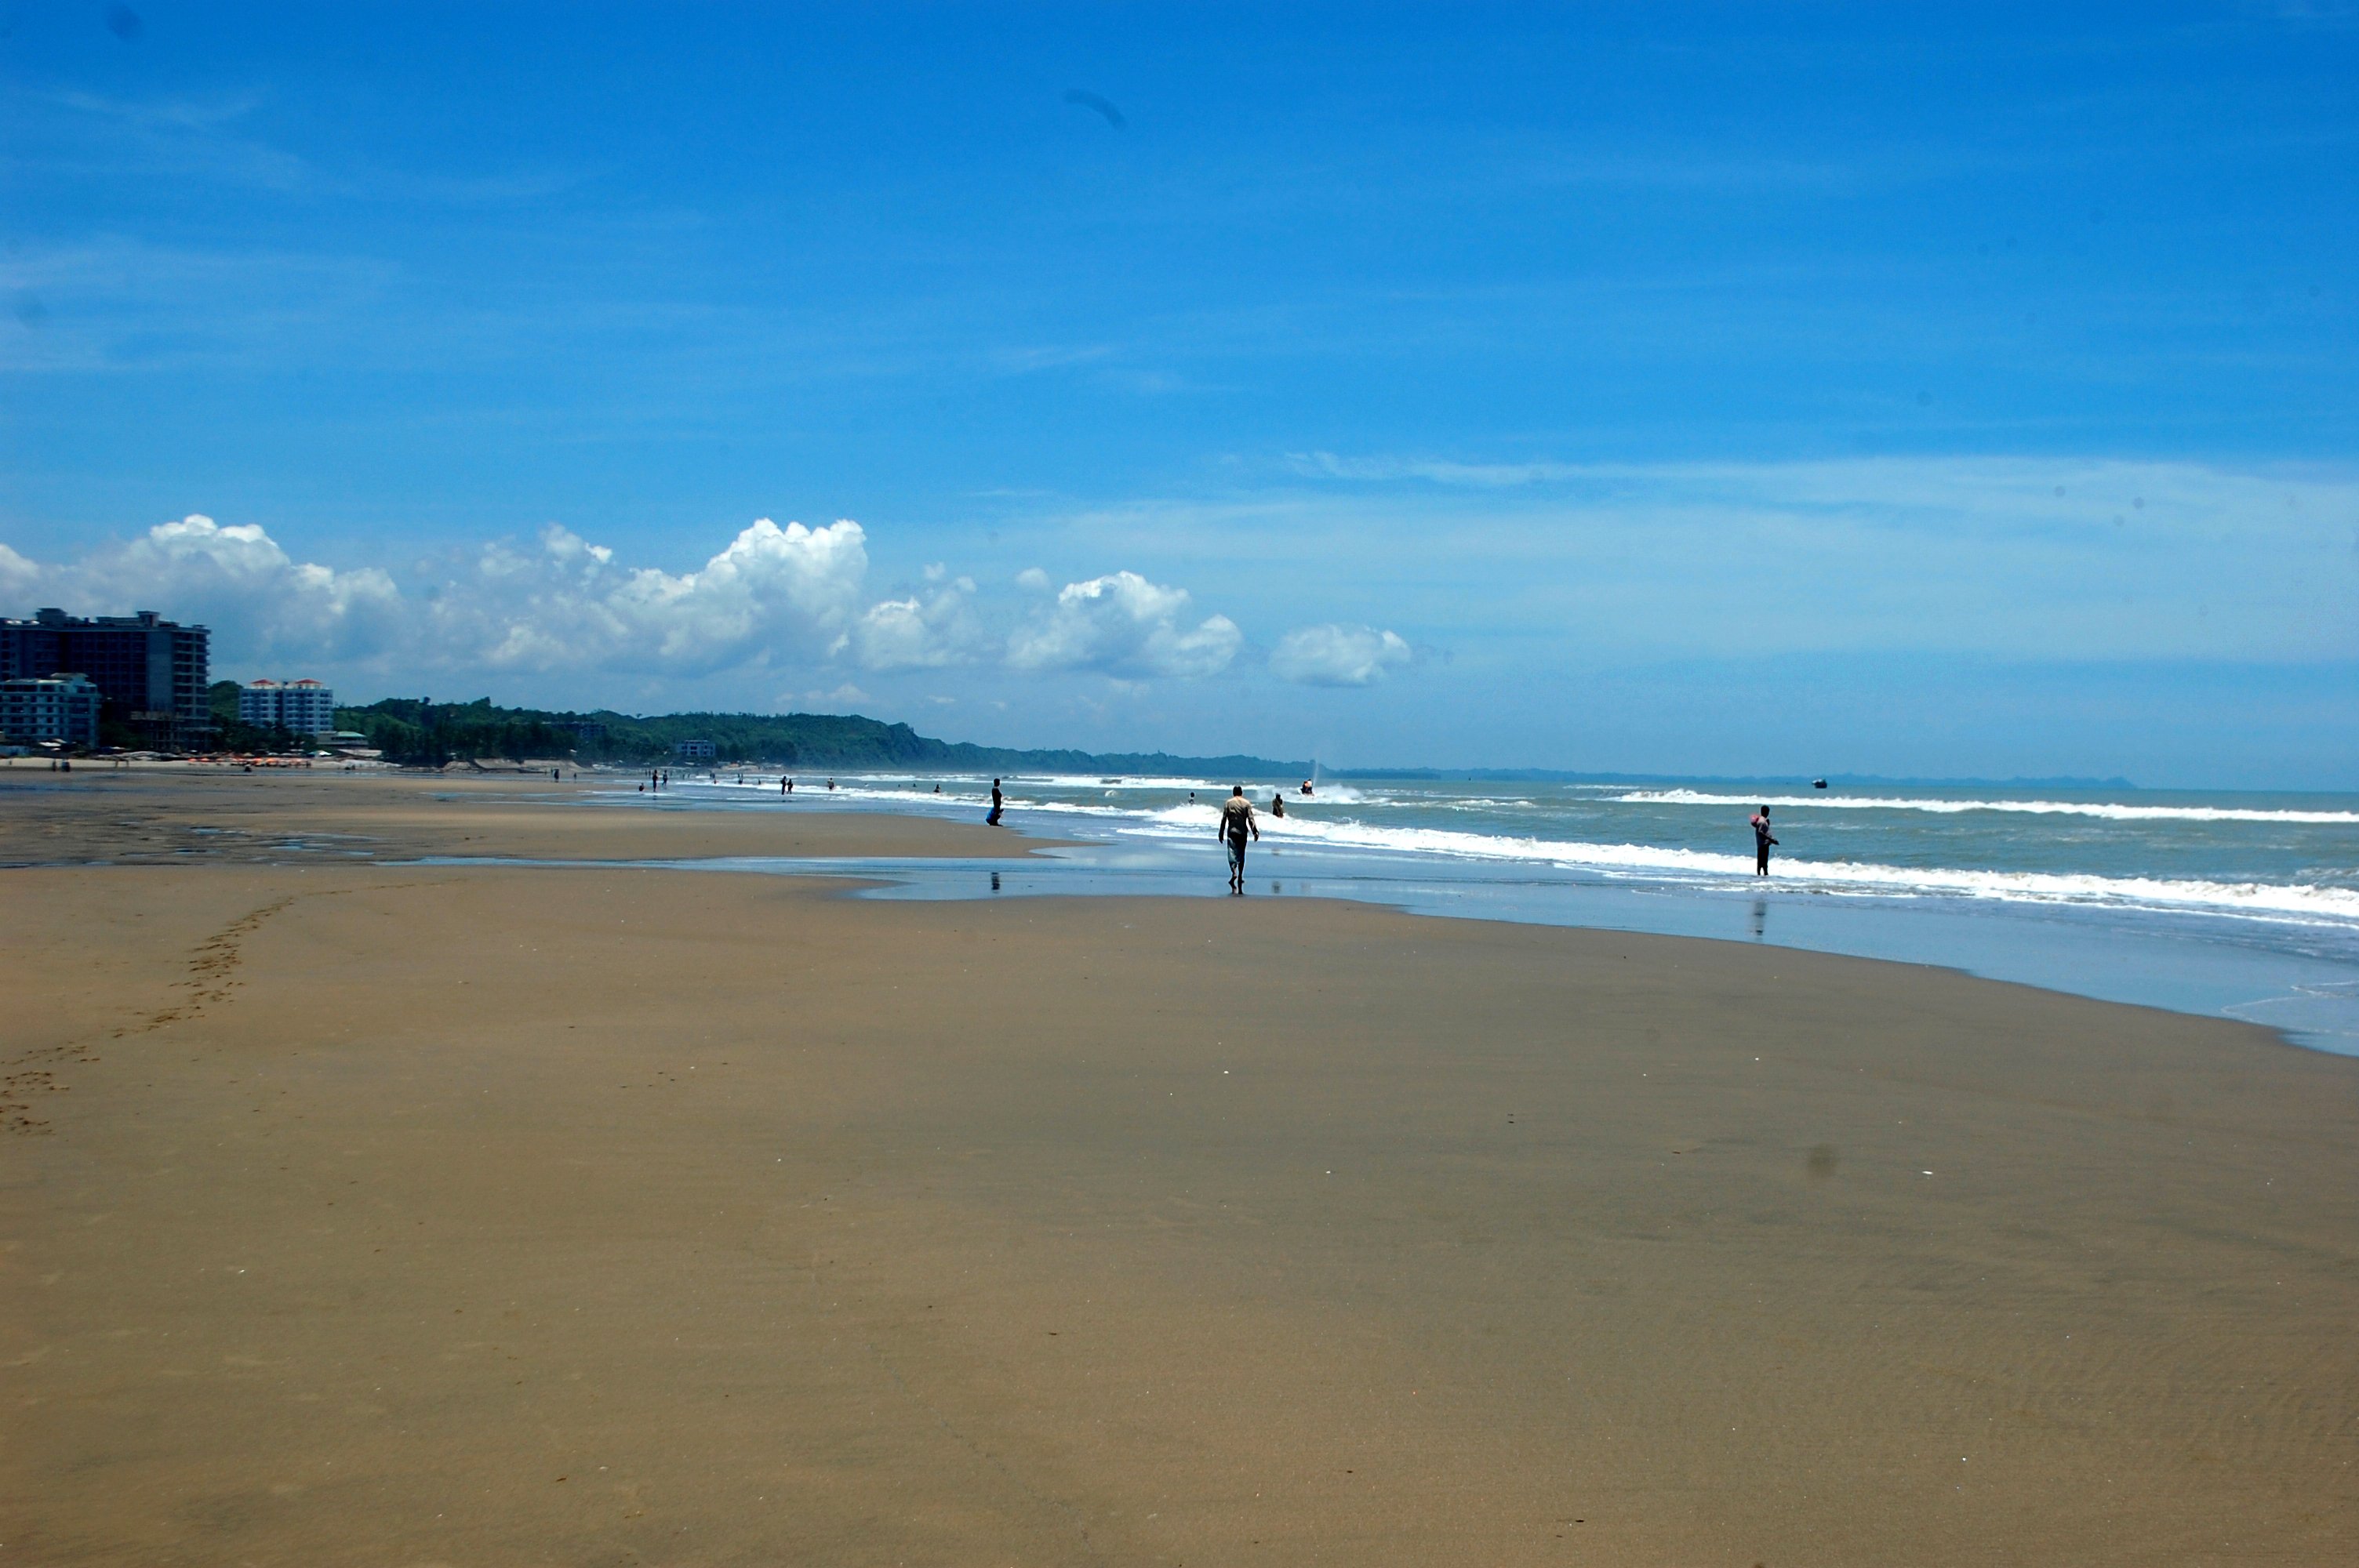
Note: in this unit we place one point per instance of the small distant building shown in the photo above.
(305, 706)
(694, 751)
(50, 707)
(588, 731)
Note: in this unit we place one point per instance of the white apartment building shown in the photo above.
(305, 706)
(50, 707)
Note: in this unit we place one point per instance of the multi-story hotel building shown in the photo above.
(305, 706)
(151, 672)
(50, 707)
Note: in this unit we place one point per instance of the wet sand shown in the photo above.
(367, 1213)
(178, 814)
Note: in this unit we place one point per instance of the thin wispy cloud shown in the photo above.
(2022, 557)
(80, 135)
(89, 134)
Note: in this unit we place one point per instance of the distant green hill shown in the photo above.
(410, 729)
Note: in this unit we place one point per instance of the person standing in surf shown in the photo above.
(1237, 821)
(1761, 842)
(998, 803)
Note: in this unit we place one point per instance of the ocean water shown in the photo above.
(2242, 904)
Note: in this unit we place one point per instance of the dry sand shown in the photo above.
(377, 1215)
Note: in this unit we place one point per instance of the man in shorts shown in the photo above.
(1237, 821)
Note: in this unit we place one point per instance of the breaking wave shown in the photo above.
(2108, 810)
(2270, 901)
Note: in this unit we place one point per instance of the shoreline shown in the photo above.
(2194, 962)
(493, 1214)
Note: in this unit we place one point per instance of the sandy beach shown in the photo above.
(364, 1213)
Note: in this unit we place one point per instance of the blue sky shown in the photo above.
(1746, 390)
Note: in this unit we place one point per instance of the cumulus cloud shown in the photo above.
(1337, 656)
(18, 575)
(196, 569)
(1123, 624)
(922, 632)
(568, 604)
(788, 597)
(562, 603)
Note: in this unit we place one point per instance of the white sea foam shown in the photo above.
(1110, 781)
(2299, 903)
(2270, 901)
(2109, 810)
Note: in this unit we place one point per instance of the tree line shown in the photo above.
(418, 731)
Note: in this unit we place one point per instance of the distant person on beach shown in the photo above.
(1277, 803)
(1761, 842)
(1237, 821)
(998, 803)
(786, 786)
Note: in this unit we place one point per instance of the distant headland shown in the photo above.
(419, 732)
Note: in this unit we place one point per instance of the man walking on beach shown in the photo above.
(998, 803)
(1237, 821)
(1761, 842)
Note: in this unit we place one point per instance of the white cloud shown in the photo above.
(1337, 656)
(773, 591)
(940, 628)
(1033, 578)
(267, 603)
(565, 604)
(18, 575)
(790, 597)
(1123, 624)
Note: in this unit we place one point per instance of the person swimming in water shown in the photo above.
(1277, 803)
(1237, 821)
(1761, 842)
